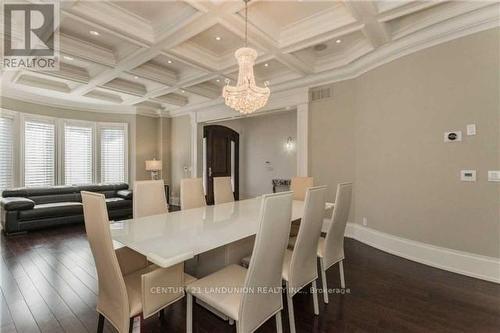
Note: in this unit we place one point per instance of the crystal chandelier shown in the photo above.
(246, 97)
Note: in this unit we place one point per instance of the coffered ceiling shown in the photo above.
(170, 57)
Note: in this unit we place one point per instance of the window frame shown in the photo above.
(77, 123)
(16, 172)
(22, 147)
(122, 126)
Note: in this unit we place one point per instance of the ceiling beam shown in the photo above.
(366, 12)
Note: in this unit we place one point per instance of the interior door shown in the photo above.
(222, 157)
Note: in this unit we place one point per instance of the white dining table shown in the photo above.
(171, 238)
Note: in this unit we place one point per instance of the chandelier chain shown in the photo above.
(246, 23)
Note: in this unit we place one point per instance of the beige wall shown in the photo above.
(406, 178)
(180, 151)
(147, 144)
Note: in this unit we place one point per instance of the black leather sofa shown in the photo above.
(25, 209)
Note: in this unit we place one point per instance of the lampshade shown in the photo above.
(153, 165)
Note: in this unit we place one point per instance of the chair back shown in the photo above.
(303, 268)
(149, 198)
(334, 240)
(223, 191)
(112, 299)
(299, 186)
(192, 195)
(266, 263)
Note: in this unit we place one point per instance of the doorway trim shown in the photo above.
(289, 100)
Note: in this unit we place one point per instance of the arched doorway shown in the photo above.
(221, 158)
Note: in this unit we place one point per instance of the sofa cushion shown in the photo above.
(117, 203)
(56, 209)
(39, 191)
(103, 187)
(125, 194)
(16, 203)
(52, 198)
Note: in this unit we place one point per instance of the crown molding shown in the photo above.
(104, 96)
(70, 73)
(329, 20)
(172, 99)
(127, 87)
(208, 90)
(449, 10)
(85, 50)
(156, 73)
(39, 82)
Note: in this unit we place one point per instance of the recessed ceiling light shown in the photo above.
(320, 47)
(68, 58)
(94, 33)
(217, 80)
(169, 61)
(338, 41)
(136, 77)
(183, 91)
(218, 38)
(266, 65)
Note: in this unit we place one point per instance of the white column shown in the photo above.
(302, 138)
(194, 144)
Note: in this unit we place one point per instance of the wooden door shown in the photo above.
(219, 160)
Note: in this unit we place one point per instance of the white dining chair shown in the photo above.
(121, 297)
(223, 190)
(300, 264)
(192, 194)
(149, 198)
(299, 186)
(331, 248)
(248, 306)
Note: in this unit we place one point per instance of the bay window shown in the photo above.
(40, 151)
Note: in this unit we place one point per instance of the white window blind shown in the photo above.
(6, 153)
(113, 155)
(78, 147)
(39, 153)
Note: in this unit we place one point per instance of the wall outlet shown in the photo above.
(365, 221)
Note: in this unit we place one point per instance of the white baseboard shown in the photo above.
(474, 265)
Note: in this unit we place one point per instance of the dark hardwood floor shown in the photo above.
(48, 284)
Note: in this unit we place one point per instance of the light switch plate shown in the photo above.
(494, 176)
(471, 129)
(468, 175)
(453, 136)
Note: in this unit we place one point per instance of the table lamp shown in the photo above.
(154, 166)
